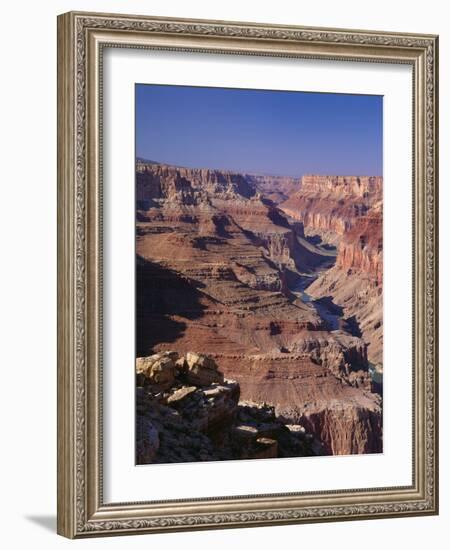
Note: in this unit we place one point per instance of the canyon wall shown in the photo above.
(328, 205)
(356, 280)
(217, 265)
(187, 411)
(275, 188)
(347, 213)
(361, 248)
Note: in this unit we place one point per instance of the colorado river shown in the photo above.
(327, 311)
(333, 316)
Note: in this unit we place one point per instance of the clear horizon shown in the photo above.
(260, 131)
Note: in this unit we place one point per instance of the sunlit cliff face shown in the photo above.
(283, 289)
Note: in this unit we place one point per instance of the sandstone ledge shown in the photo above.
(208, 421)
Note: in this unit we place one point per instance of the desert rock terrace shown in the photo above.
(278, 282)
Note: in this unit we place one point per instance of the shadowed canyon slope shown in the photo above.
(279, 280)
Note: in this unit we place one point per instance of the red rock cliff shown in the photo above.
(213, 258)
(361, 248)
(328, 205)
(356, 280)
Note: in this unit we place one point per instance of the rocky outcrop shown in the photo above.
(338, 410)
(147, 434)
(343, 355)
(157, 370)
(200, 370)
(206, 421)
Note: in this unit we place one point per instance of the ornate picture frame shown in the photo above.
(82, 38)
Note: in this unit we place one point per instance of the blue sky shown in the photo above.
(273, 132)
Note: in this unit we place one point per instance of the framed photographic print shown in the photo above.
(247, 286)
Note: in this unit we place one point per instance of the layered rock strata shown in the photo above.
(275, 188)
(196, 419)
(217, 265)
(328, 205)
(347, 212)
(356, 280)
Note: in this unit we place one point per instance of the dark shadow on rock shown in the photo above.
(329, 312)
(221, 223)
(327, 302)
(203, 241)
(46, 522)
(277, 217)
(316, 240)
(308, 261)
(161, 293)
(268, 201)
(352, 326)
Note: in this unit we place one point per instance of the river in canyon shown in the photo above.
(216, 258)
(332, 314)
(328, 312)
(325, 308)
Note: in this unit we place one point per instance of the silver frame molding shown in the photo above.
(81, 39)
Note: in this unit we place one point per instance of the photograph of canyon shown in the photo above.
(259, 274)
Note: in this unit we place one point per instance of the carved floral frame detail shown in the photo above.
(81, 39)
